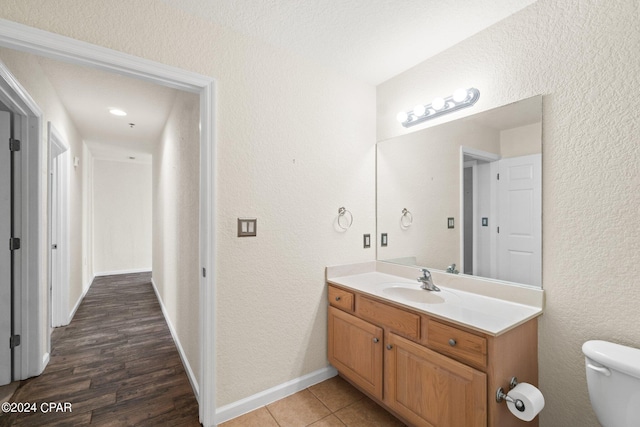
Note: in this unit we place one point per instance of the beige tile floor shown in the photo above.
(332, 403)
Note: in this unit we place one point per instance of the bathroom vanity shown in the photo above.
(432, 358)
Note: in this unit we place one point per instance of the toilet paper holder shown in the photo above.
(501, 395)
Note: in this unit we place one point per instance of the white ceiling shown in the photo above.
(88, 94)
(372, 40)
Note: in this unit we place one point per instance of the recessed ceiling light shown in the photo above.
(117, 112)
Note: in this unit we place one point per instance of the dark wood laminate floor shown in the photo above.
(115, 363)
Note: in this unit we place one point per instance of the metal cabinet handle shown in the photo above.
(452, 342)
(376, 340)
(337, 298)
(389, 346)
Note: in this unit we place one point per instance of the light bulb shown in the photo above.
(419, 110)
(402, 117)
(460, 95)
(437, 104)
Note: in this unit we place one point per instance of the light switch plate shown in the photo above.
(247, 227)
(384, 240)
(367, 240)
(450, 222)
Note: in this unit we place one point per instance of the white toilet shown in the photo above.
(613, 379)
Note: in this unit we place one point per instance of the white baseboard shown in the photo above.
(187, 367)
(258, 400)
(45, 361)
(128, 271)
(75, 308)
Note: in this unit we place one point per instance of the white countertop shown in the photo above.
(474, 310)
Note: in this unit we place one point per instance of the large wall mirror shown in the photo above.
(466, 192)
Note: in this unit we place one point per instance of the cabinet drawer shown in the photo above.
(341, 298)
(393, 319)
(458, 344)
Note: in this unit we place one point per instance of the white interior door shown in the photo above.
(54, 286)
(59, 163)
(5, 253)
(520, 222)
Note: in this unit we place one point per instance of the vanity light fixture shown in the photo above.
(461, 98)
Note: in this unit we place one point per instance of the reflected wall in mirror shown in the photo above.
(484, 171)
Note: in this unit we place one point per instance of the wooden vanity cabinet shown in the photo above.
(429, 389)
(428, 372)
(355, 349)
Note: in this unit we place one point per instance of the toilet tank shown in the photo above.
(613, 379)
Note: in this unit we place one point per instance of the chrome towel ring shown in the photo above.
(406, 219)
(345, 218)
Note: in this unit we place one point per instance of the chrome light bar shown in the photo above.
(461, 98)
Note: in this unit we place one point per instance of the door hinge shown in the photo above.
(498, 177)
(14, 243)
(498, 230)
(14, 341)
(204, 272)
(14, 144)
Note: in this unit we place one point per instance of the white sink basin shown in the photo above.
(413, 293)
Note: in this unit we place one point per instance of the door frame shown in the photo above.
(476, 155)
(59, 303)
(24, 38)
(6, 258)
(473, 165)
(30, 316)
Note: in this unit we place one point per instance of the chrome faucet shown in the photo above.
(427, 281)
(452, 269)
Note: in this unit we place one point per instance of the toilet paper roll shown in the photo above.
(530, 396)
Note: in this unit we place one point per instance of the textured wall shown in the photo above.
(583, 57)
(521, 141)
(295, 141)
(275, 108)
(121, 216)
(176, 185)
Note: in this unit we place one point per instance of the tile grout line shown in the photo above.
(330, 411)
(345, 407)
(323, 404)
(272, 416)
(315, 421)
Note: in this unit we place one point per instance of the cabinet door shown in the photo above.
(429, 389)
(355, 349)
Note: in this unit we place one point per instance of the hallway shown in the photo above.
(115, 363)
